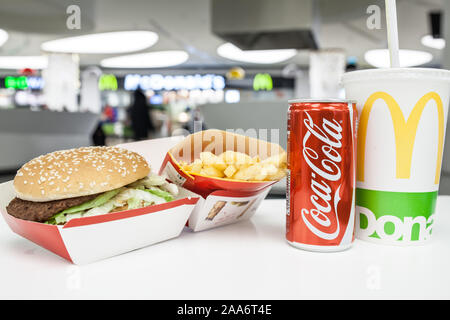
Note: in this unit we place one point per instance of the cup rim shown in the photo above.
(397, 73)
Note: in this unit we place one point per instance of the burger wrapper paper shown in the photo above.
(88, 239)
(223, 201)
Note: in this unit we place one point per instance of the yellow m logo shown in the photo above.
(405, 132)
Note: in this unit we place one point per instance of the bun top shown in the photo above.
(78, 172)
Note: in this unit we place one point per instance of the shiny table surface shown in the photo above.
(249, 260)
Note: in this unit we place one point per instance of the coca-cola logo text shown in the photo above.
(325, 169)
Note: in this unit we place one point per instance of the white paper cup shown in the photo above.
(402, 116)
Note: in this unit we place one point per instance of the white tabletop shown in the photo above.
(248, 260)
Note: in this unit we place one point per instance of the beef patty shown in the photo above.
(42, 211)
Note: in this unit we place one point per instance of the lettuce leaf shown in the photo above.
(160, 193)
(103, 209)
(136, 197)
(133, 203)
(61, 219)
(96, 202)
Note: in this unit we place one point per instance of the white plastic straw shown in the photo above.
(392, 32)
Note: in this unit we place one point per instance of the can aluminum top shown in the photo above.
(421, 74)
(321, 101)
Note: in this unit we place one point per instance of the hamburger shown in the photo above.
(62, 185)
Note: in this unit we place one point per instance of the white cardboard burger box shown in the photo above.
(88, 239)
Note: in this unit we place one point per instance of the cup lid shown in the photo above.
(397, 73)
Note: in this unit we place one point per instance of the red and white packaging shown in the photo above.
(223, 201)
(322, 169)
(88, 239)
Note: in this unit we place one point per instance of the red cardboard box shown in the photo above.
(223, 201)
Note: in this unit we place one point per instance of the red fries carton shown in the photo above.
(223, 200)
(88, 239)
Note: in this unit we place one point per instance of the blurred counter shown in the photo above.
(25, 134)
(251, 117)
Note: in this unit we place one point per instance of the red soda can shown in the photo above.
(320, 199)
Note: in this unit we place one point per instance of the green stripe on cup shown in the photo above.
(394, 216)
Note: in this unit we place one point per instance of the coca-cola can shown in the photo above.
(320, 195)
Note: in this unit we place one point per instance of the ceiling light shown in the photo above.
(158, 59)
(103, 43)
(435, 43)
(379, 58)
(230, 51)
(3, 37)
(22, 62)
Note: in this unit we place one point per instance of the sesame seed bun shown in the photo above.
(78, 172)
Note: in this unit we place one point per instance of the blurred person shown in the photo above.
(110, 114)
(195, 120)
(141, 123)
(99, 137)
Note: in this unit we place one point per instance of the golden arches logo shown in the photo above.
(405, 132)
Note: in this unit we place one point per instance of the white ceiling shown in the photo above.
(185, 24)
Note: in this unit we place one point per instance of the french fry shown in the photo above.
(228, 157)
(238, 166)
(243, 160)
(229, 171)
(208, 158)
(220, 165)
(196, 166)
(277, 160)
(264, 171)
(248, 173)
(238, 159)
(211, 171)
(280, 174)
(186, 166)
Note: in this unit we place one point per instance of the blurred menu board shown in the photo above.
(22, 82)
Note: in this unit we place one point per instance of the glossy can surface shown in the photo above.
(321, 182)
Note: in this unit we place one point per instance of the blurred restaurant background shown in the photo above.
(103, 72)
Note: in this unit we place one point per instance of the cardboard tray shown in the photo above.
(223, 201)
(88, 239)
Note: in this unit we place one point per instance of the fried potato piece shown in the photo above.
(280, 174)
(211, 171)
(210, 159)
(277, 160)
(230, 171)
(238, 159)
(238, 166)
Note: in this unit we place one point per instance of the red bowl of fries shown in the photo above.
(219, 160)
